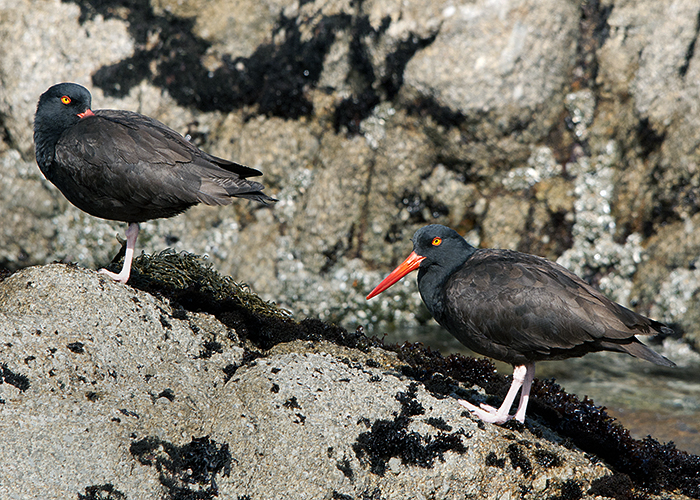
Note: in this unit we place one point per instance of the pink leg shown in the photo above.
(525, 393)
(132, 232)
(522, 377)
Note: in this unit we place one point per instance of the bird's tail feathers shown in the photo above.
(220, 190)
(258, 196)
(639, 350)
(665, 330)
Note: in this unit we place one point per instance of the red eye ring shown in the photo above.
(66, 100)
(437, 241)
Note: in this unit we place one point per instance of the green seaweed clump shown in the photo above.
(178, 274)
(191, 283)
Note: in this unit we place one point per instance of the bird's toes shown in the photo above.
(494, 418)
(488, 408)
(483, 407)
(467, 405)
(121, 278)
(486, 413)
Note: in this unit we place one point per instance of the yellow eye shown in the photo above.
(437, 241)
(65, 99)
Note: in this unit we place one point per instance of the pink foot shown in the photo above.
(522, 378)
(486, 413)
(121, 277)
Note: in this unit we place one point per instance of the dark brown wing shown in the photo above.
(125, 166)
(518, 307)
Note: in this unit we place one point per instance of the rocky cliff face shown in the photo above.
(566, 129)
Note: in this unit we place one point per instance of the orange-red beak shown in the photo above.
(411, 263)
(88, 112)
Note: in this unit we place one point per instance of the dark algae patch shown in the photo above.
(76, 347)
(492, 460)
(168, 394)
(409, 404)
(617, 486)
(188, 471)
(7, 376)
(570, 490)
(194, 285)
(439, 423)
(345, 467)
(292, 403)
(209, 348)
(519, 460)
(547, 459)
(391, 438)
(102, 492)
(275, 79)
(341, 496)
(169, 55)
(248, 358)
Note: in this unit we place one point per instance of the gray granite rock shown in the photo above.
(508, 61)
(109, 390)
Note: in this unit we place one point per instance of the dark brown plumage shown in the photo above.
(517, 308)
(123, 166)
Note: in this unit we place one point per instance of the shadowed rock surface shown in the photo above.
(204, 390)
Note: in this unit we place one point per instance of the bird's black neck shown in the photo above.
(45, 138)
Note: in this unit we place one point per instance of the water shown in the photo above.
(646, 399)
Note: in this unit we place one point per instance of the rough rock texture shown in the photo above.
(107, 390)
(568, 129)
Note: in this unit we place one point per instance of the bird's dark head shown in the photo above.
(64, 104)
(433, 245)
(440, 245)
(59, 108)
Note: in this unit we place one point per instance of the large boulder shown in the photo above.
(111, 392)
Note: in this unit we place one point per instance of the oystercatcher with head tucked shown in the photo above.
(124, 166)
(517, 308)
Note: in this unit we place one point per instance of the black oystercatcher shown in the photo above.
(123, 166)
(517, 308)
